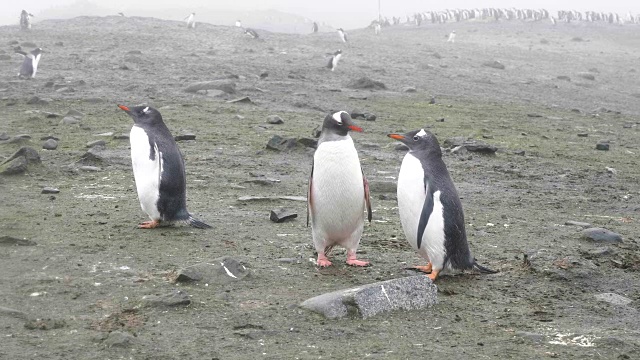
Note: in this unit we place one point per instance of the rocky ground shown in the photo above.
(78, 280)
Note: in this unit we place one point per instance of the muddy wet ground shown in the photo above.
(87, 274)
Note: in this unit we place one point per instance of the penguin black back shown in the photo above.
(426, 148)
(173, 187)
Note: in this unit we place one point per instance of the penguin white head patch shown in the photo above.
(421, 133)
(145, 110)
(337, 116)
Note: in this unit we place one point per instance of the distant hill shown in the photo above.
(271, 20)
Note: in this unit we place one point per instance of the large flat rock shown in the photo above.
(408, 293)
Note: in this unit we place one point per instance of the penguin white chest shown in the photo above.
(411, 198)
(34, 64)
(147, 171)
(337, 190)
(335, 60)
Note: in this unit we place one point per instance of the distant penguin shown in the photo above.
(314, 27)
(333, 62)
(25, 20)
(452, 37)
(430, 209)
(338, 191)
(238, 23)
(191, 21)
(343, 35)
(251, 33)
(30, 63)
(158, 169)
(377, 28)
(121, 14)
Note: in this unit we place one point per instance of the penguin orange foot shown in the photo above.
(424, 269)
(151, 224)
(351, 260)
(323, 261)
(433, 275)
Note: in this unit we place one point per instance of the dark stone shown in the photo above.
(281, 144)
(370, 117)
(306, 142)
(282, 215)
(274, 119)
(587, 76)
(174, 298)
(185, 137)
(264, 75)
(366, 83)
(534, 115)
(480, 147)
(601, 235)
(494, 64)
(409, 89)
(583, 134)
(90, 168)
(119, 339)
(564, 78)
(38, 101)
(519, 152)
(602, 146)
(12, 241)
(355, 114)
(14, 167)
(432, 101)
(220, 270)
(227, 86)
(50, 190)
(408, 293)
(44, 324)
(4, 136)
(5, 311)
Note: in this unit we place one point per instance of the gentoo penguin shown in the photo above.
(25, 20)
(121, 14)
(29, 66)
(314, 27)
(251, 33)
(377, 28)
(343, 35)
(158, 169)
(430, 209)
(238, 23)
(338, 191)
(452, 37)
(191, 21)
(333, 62)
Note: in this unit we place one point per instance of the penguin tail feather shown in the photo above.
(483, 269)
(197, 223)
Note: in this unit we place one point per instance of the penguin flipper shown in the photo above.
(21, 52)
(427, 209)
(367, 197)
(309, 199)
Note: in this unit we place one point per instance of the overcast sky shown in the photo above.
(361, 10)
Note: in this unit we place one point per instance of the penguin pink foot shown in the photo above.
(323, 261)
(151, 224)
(351, 259)
(433, 275)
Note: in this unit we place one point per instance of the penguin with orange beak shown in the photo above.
(338, 191)
(430, 209)
(158, 169)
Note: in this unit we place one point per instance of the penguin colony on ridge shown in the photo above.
(158, 169)
(30, 63)
(430, 209)
(338, 191)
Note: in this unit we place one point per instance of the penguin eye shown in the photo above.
(416, 138)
